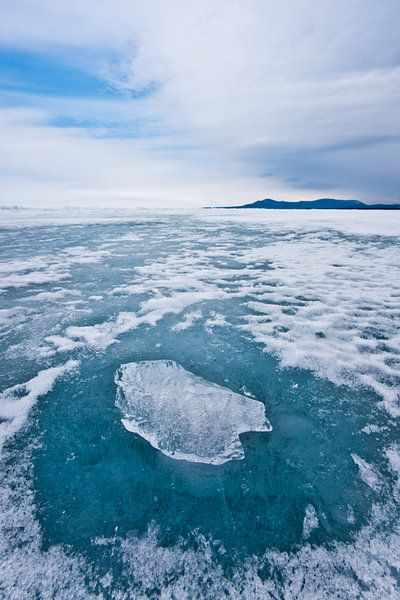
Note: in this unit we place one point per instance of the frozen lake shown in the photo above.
(292, 316)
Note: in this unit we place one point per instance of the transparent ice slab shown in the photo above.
(183, 415)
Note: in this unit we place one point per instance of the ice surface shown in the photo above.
(183, 415)
(393, 456)
(11, 317)
(63, 344)
(56, 294)
(367, 473)
(189, 320)
(337, 316)
(17, 401)
(152, 311)
(310, 521)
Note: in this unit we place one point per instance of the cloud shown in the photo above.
(208, 102)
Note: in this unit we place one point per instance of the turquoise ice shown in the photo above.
(227, 319)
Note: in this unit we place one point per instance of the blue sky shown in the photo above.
(188, 103)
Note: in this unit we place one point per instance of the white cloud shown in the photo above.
(245, 100)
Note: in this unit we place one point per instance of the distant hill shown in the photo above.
(321, 203)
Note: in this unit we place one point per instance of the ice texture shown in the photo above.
(367, 473)
(310, 521)
(183, 415)
(326, 289)
(17, 401)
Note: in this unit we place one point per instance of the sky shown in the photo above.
(198, 102)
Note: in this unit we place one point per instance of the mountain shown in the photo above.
(321, 203)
